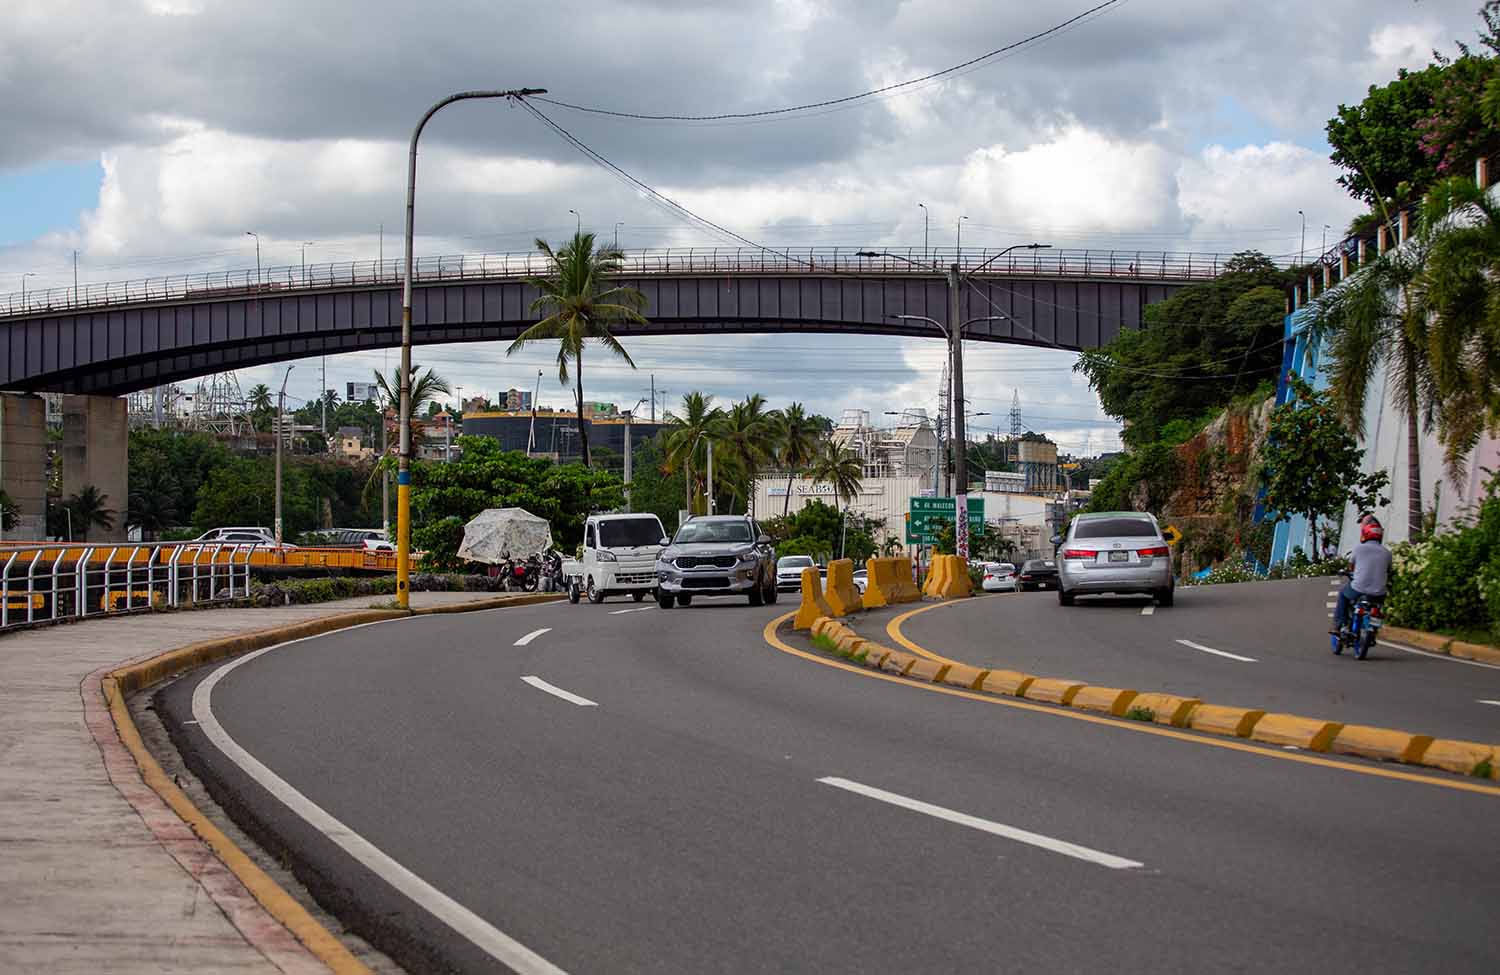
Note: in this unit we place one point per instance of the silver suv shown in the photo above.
(717, 555)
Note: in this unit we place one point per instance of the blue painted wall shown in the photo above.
(1306, 360)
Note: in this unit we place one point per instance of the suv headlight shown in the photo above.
(605, 556)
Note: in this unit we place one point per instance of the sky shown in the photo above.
(148, 136)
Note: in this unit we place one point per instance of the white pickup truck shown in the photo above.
(619, 558)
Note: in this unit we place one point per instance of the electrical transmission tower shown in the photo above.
(219, 407)
(945, 404)
(157, 407)
(1015, 414)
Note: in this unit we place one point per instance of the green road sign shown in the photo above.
(925, 514)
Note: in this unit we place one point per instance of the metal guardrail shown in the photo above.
(207, 285)
(44, 583)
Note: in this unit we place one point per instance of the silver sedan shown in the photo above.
(1114, 552)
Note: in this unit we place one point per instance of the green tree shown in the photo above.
(8, 514)
(1377, 142)
(581, 305)
(842, 470)
(154, 494)
(686, 445)
(424, 390)
(797, 436)
(90, 510)
(262, 408)
(747, 442)
(1310, 464)
(653, 488)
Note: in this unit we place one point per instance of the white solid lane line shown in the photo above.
(985, 825)
(638, 609)
(1219, 653)
(1437, 656)
(1149, 610)
(1483, 701)
(556, 691)
(532, 636)
(494, 942)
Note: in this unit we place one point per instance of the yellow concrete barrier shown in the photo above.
(1168, 708)
(841, 594)
(1381, 743)
(1053, 690)
(883, 582)
(1110, 700)
(113, 600)
(948, 578)
(906, 584)
(1313, 734)
(928, 670)
(937, 574)
(1217, 719)
(1010, 682)
(962, 675)
(1460, 756)
(813, 603)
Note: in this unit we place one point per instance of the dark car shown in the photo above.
(1037, 574)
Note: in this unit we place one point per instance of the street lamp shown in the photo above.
(403, 471)
(305, 245)
(280, 432)
(956, 361)
(925, 252)
(618, 225)
(1302, 244)
(251, 233)
(578, 228)
(629, 466)
(959, 246)
(28, 274)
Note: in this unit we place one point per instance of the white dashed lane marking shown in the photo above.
(532, 636)
(556, 691)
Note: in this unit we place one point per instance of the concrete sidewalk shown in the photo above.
(87, 886)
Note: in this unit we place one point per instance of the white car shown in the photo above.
(861, 580)
(999, 577)
(252, 535)
(789, 571)
(619, 558)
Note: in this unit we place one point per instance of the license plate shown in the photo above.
(1119, 556)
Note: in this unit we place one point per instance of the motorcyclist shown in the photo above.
(1371, 567)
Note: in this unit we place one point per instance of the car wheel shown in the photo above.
(596, 596)
(685, 599)
(1064, 598)
(1164, 596)
(573, 592)
(758, 594)
(638, 596)
(772, 593)
(664, 599)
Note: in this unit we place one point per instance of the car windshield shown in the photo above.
(795, 562)
(713, 531)
(629, 532)
(1115, 528)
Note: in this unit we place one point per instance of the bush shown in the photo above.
(1452, 580)
(281, 592)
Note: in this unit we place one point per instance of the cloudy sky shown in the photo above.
(149, 135)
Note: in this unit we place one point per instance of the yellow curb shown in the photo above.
(1431, 642)
(1110, 700)
(1053, 690)
(1379, 743)
(875, 655)
(769, 635)
(1169, 708)
(1221, 720)
(849, 643)
(1313, 734)
(928, 670)
(897, 662)
(116, 686)
(962, 675)
(1012, 683)
(1459, 756)
(1474, 651)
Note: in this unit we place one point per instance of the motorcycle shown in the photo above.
(521, 575)
(1360, 631)
(553, 578)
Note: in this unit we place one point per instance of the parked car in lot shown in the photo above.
(789, 571)
(717, 555)
(1037, 574)
(1115, 552)
(999, 577)
(861, 579)
(249, 535)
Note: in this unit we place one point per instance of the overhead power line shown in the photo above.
(846, 99)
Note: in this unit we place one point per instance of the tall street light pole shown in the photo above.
(280, 433)
(578, 227)
(926, 253)
(28, 274)
(403, 471)
(618, 225)
(1302, 243)
(954, 334)
(959, 244)
(251, 233)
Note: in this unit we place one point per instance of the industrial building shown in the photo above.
(555, 433)
(909, 449)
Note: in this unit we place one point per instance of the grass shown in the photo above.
(1483, 770)
(825, 643)
(1141, 714)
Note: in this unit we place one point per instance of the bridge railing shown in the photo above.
(47, 583)
(1062, 262)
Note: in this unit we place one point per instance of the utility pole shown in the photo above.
(708, 499)
(280, 432)
(653, 397)
(628, 466)
(531, 434)
(385, 482)
(959, 440)
(75, 277)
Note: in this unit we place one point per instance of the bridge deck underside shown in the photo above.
(119, 350)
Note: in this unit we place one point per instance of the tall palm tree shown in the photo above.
(1379, 316)
(747, 433)
(424, 389)
(581, 305)
(687, 439)
(840, 467)
(797, 445)
(260, 397)
(1462, 283)
(89, 510)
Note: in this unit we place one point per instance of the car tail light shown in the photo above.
(1160, 550)
(1080, 553)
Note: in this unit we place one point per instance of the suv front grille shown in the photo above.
(705, 582)
(707, 562)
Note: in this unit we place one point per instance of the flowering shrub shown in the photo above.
(1452, 580)
(1298, 567)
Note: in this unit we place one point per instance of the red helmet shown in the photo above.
(1371, 530)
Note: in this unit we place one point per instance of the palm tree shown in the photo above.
(581, 306)
(747, 435)
(88, 507)
(260, 397)
(1463, 346)
(686, 443)
(1379, 315)
(798, 444)
(424, 389)
(840, 467)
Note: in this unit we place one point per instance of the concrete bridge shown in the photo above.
(110, 339)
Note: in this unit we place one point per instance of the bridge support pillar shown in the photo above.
(23, 462)
(96, 433)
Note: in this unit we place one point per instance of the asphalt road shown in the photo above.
(681, 823)
(1281, 626)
